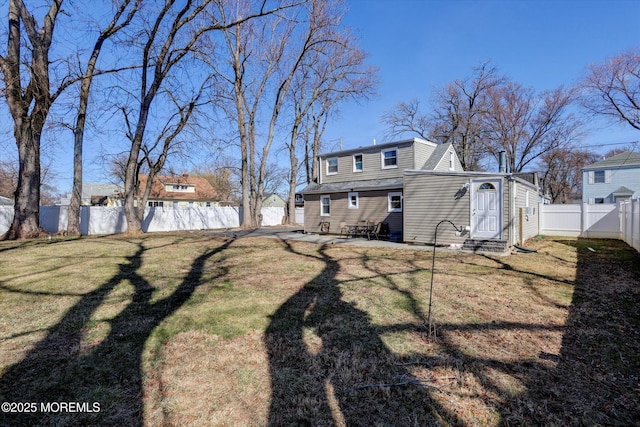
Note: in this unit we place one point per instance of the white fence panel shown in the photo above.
(630, 223)
(601, 221)
(272, 216)
(54, 219)
(6, 216)
(98, 220)
(299, 215)
(560, 220)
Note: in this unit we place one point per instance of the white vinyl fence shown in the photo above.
(110, 220)
(608, 221)
(630, 222)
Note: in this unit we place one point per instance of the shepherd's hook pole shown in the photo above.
(433, 264)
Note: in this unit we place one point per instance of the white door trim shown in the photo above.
(486, 209)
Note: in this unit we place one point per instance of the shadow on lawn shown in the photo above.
(57, 369)
(597, 377)
(323, 350)
(328, 363)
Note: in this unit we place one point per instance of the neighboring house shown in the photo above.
(96, 194)
(179, 191)
(273, 201)
(612, 180)
(412, 185)
(299, 201)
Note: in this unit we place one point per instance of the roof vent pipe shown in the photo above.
(503, 162)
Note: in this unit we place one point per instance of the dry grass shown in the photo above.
(191, 330)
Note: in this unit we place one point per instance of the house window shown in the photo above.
(332, 166)
(487, 186)
(190, 204)
(176, 203)
(156, 204)
(325, 205)
(208, 204)
(390, 158)
(357, 162)
(394, 202)
(353, 200)
(598, 200)
(451, 163)
(598, 177)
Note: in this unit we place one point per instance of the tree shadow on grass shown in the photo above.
(595, 377)
(329, 365)
(60, 369)
(596, 380)
(322, 350)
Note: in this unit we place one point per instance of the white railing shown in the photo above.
(111, 220)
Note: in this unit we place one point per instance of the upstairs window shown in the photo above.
(357, 163)
(598, 177)
(332, 166)
(390, 158)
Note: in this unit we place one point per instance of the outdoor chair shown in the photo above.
(344, 229)
(375, 231)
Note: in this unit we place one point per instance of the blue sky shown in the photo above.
(420, 45)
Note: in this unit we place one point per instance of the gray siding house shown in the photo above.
(366, 183)
(414, 184)
(490, 207)
(612, 180)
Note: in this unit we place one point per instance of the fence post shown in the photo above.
(584, 220)
(635, 226)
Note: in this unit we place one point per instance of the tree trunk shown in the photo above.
(134, 224)
(73, 214)
(26, 218)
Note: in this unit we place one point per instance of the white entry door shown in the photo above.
(486, 209)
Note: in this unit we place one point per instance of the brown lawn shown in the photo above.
(187, 329)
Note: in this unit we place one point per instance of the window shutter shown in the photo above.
(590, 177)
(607, 177)
(592, 201)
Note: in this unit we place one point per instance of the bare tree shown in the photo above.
(562, 173)
(171, 38)
(28, 95)
(221, 177)
(265, 57)
(8, 179)
(460, 116)
(612, 89)
(334, 70)
(406, 118)
(526, 125)
(73, 224)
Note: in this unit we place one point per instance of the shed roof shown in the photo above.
(626, 159)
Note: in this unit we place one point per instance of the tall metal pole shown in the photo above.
(433, 264)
